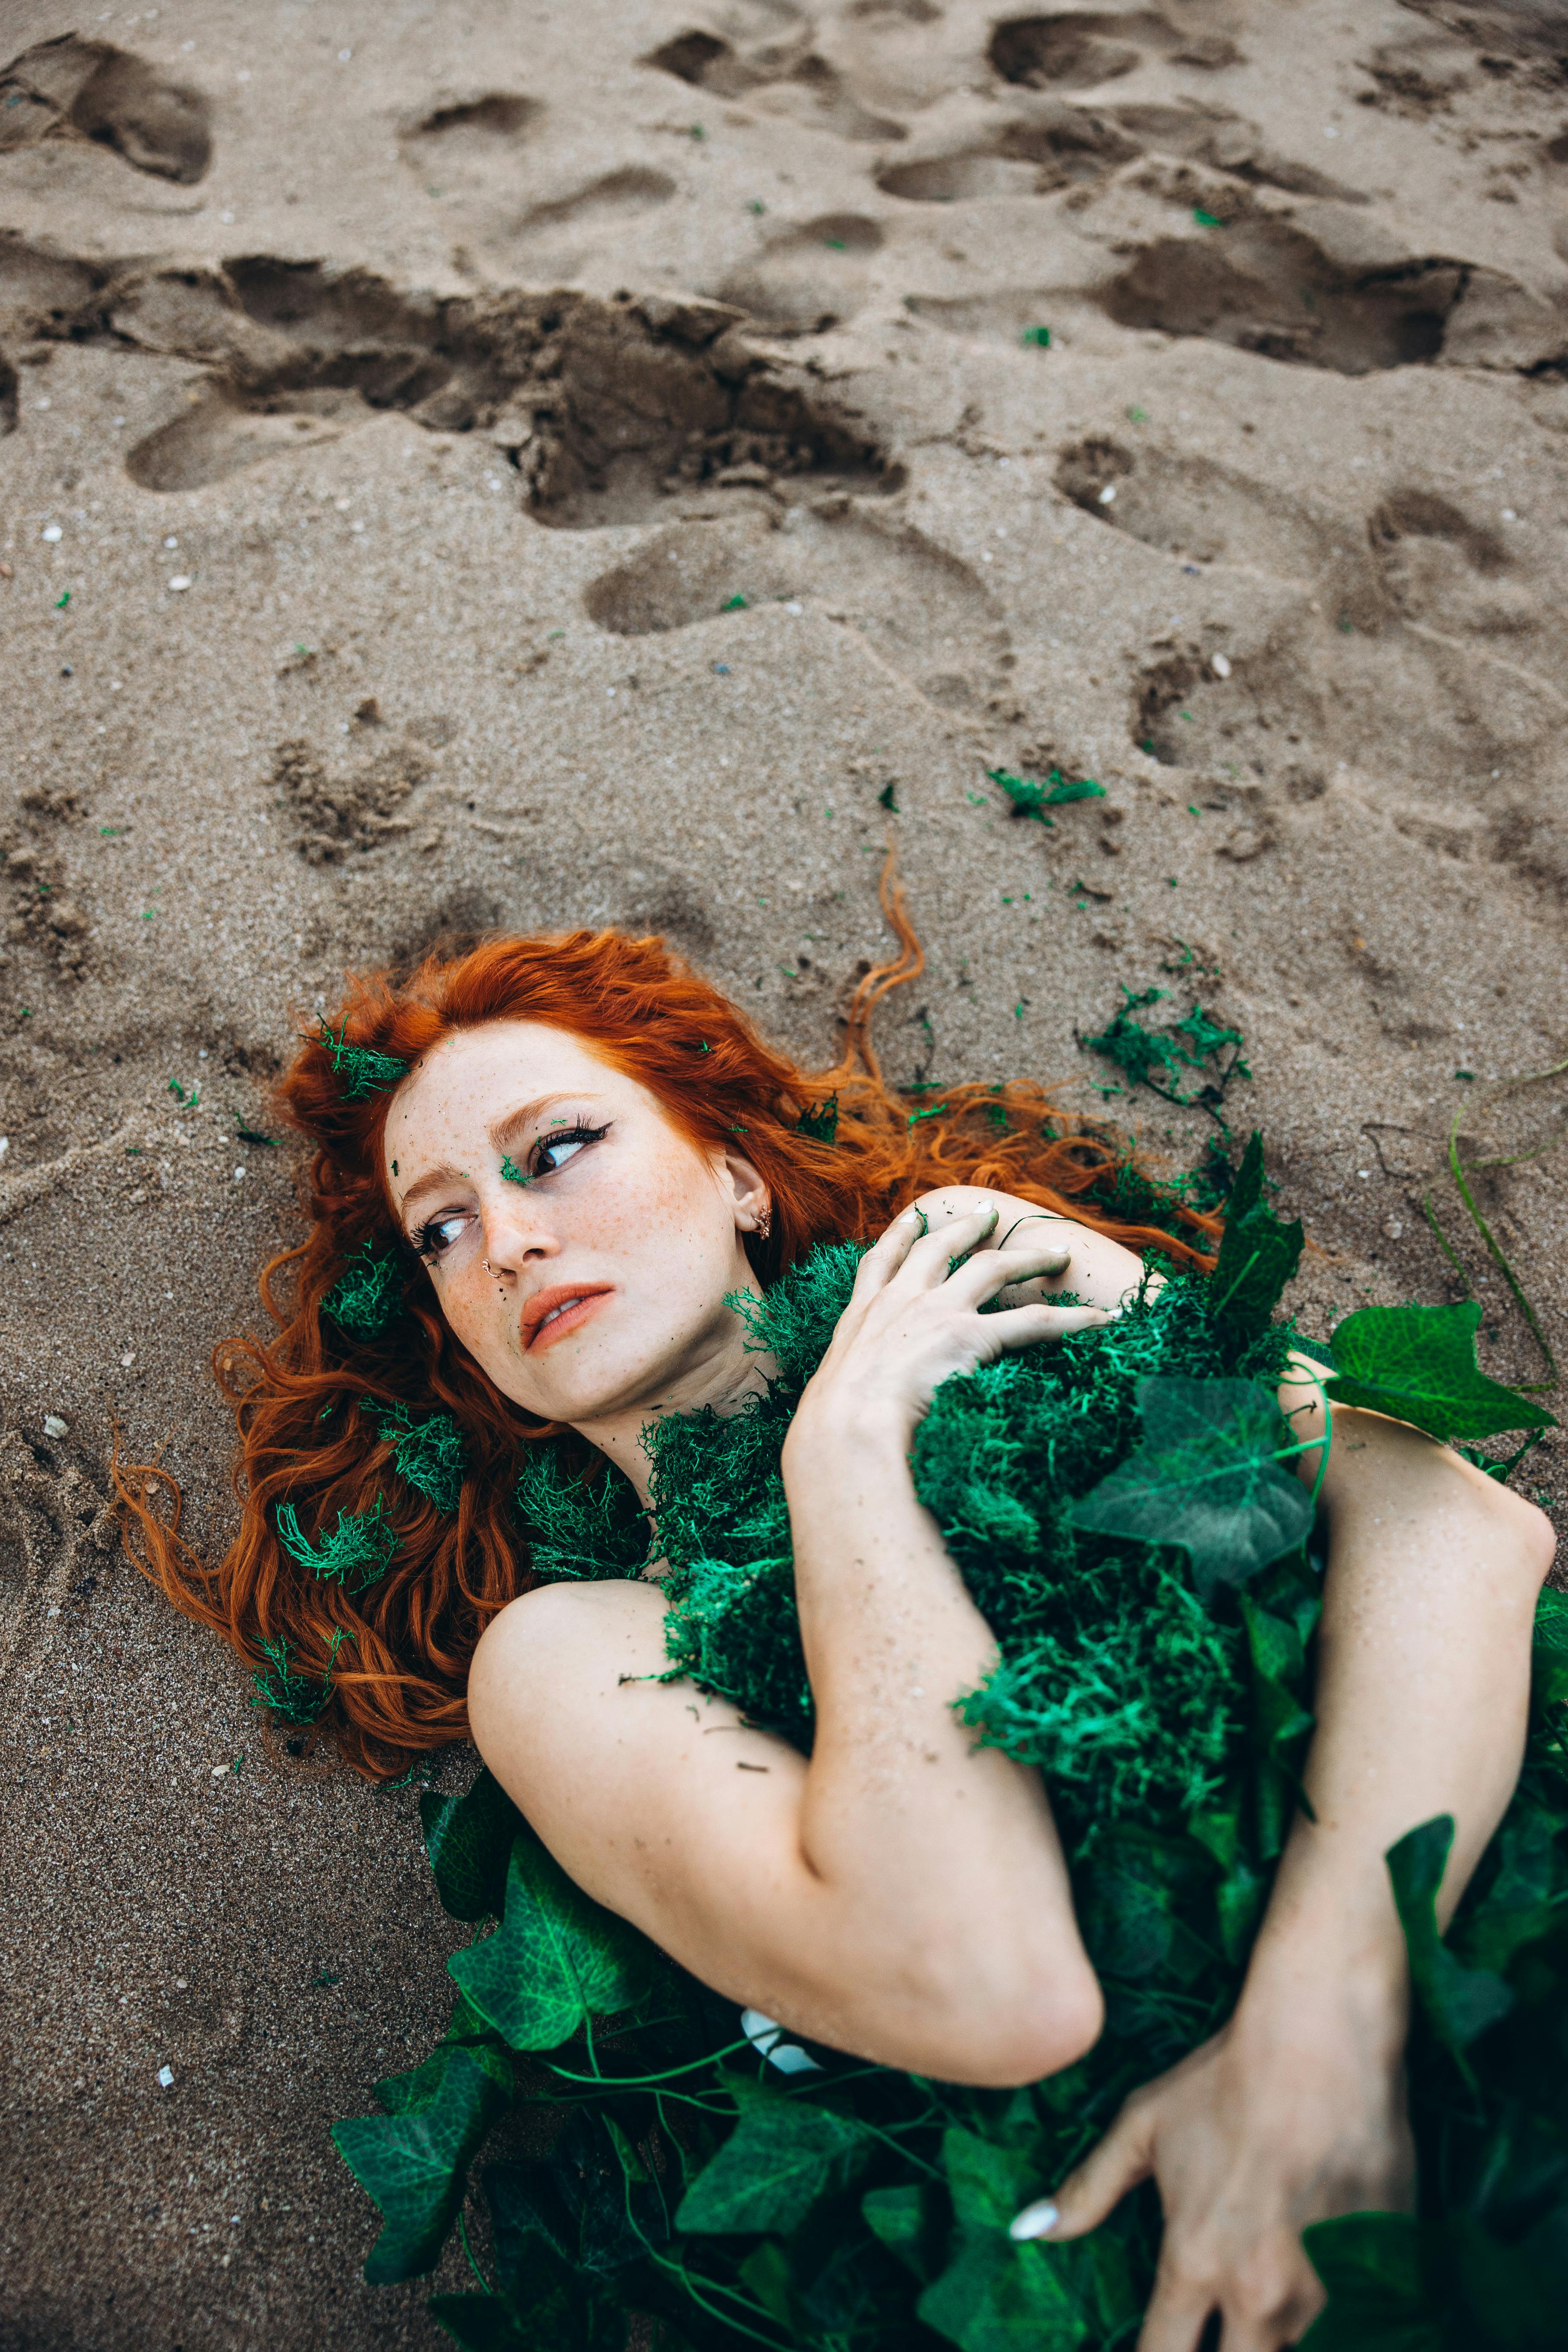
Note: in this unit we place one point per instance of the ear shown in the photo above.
(745, 1188)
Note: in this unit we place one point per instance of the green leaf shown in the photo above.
(1459, 2003)
(468, 1839)
(1031, 798)
(1548, 1649)
(415, 2163)
(1369, 2265)
(592, 2197)
(1258, 1254)
(899, 2219)
(557, 1958)
(560, 2308)
(782, 2156)
(400, 2094)
(479, 2323)
(995, 2296)
(1206, 1478)
(1418, 1364)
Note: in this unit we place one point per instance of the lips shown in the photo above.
(550, 1314)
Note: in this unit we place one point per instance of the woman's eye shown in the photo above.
(553, 1152)
(439, 1236)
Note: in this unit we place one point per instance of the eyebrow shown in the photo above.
(503, 1134)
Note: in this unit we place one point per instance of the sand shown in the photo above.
(396, 399)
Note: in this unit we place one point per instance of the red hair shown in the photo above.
(394, 1655)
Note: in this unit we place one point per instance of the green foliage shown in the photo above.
(368, 1294)
(1208, 1477)
(1157, 1058)
(298, 1698)
(820, 1122)
(1418, 1363)
(469, 1841)
(430, 1455)
(1158, 1664)
(783, 2153)
(577, 1526)
(511, 1172)
(362, 1071)
(1031, 798)
(1258, 1255)
(413, 2160)
(1458, 2002)
(556, 1960)
(358, 1550)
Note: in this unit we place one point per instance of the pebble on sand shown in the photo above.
(166, 2077)
(1220, 665)
(181, 580)
(55, 1427)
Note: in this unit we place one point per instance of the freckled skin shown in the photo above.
(641, 1212)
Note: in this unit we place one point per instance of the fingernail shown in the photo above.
(1035, 2221)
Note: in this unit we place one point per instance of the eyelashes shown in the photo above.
(432, 1240)
(573, 1136)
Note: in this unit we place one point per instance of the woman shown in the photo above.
(586, 1152)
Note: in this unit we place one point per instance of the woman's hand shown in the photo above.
(914, 1318)
(1292, 2114)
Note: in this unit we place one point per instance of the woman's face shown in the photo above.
(579, 1245)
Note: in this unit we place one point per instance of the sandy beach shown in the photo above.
(518, 465)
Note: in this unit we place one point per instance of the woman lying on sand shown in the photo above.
(584, 1153)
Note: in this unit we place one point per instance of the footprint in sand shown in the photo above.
(604, 409)
(1441, 568)
(778, 76)
(217, 434)
(9, 397)
(1054, 145)
(1192, 507)
(556, 237)
(468, 148)
(79, 90)
(1079, 49)
(1266, 285)
(811, 277)
(921, 608)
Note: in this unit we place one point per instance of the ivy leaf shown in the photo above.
(414, 2162)
(1369, 2265)
(996, 2296)
(468, 1839)
(480, 2323)
(593, 2197)
(782, 2156)
(1258, 1254)
(1459, 2003)
(557, 1958)
(900, 2218)
(1418, 1363)
(1548, 1649)
(1205, 1477)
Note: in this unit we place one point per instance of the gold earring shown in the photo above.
(764, 1224)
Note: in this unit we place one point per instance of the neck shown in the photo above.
(721, 1372)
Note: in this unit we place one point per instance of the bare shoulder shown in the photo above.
(564, 1642)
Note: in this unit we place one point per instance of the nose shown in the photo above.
(515, 1234)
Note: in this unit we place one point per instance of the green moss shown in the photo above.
(430, 1455)
(356, 1552)
(368, 1294)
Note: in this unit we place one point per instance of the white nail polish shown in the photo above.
(1035, 2222)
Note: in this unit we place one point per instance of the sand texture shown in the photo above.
(397, 400)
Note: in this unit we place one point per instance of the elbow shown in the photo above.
(1530, 1539)
(1041, 2021)
(1040, 2034)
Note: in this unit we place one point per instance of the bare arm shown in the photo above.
(1296, 2111)
(903, 1893)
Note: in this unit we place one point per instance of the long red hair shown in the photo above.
(391, 1660)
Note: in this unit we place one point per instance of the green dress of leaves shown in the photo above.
(1124, 1508)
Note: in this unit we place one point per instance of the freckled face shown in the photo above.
(578, 1244)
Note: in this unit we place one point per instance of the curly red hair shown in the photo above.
(392, 1659)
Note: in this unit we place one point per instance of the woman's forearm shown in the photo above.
(1422, 1691)
(949, 1845)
